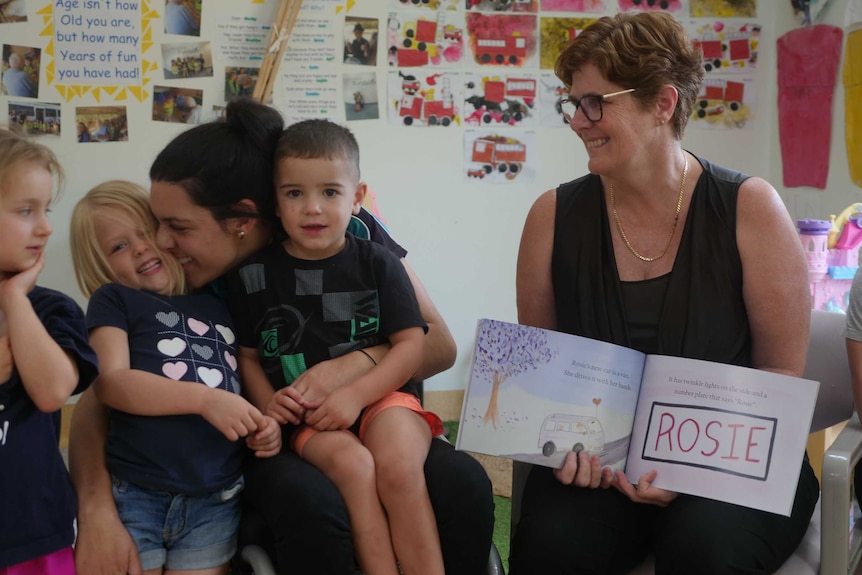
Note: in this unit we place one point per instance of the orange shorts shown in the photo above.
(394, 399)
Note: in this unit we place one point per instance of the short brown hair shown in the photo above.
(643, 50)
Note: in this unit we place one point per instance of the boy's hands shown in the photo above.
(338, 411)
(267, 441)
(231, 414)
(285, 406)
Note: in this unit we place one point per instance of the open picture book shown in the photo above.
(713, 430)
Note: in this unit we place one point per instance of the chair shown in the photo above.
(825, 548)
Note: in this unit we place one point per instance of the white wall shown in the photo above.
(462, 238)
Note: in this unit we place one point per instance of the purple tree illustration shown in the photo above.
(504, 350)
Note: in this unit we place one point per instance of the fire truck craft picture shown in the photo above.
(550, 93)
(555, 34)
(723, 103)
(507, 101)
(427, 4)
(666, 5)
(498, 158)
(531, 6)
(423, 99)
(727, 47)
(416, 41)
(502, 40)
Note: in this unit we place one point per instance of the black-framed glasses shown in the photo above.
(591, 105)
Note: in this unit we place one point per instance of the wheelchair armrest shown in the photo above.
(837, 478)
(258, 559)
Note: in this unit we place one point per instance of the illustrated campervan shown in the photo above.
(576, 433)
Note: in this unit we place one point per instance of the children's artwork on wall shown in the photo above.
(360, 41)
(724, 8)
(187, 60)
(551, 92)
(728, 47)
(183, 17)
(34, 118)
(419, 98)
(102, 124)
(807, 11)
(498, 158)
(98, 48)
(239, 81)
(502, 40)
(852, 79)
(500, 100)
(555, 35)
(19, 76)
(724, 103)
(360, 96)
(13, 11)
(530, 6)
(807, 68)
(591, 6)
(426, 4)
(181, 105)
(420, 39)
(672, 6)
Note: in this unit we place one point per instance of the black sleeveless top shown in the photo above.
(703, 312)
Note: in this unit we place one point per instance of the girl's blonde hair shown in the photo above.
(92, 269)
(16, 150)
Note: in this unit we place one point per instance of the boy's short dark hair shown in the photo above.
(318, 139)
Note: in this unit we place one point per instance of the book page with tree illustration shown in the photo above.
(534, 396)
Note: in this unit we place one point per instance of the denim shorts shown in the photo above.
(177, 531)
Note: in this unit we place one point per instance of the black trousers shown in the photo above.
(568, 530)
(308, 526)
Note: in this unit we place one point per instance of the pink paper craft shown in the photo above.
(808, 61)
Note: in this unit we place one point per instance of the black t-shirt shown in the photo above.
(297, 313)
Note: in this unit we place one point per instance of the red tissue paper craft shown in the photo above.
(808, 61)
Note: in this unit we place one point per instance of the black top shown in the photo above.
(703, 314)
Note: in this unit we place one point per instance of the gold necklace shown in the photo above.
(675, 219)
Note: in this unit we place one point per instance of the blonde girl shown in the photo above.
(168, 370)
(44, 358)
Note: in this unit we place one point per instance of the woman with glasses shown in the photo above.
(659, 250)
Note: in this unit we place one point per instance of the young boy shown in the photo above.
(322, 293)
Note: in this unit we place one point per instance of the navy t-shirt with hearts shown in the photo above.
(186, 338)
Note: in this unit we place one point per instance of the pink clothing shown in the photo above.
(60, 562)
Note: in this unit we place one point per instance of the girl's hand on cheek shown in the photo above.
(20, 283)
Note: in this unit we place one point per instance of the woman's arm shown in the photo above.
(103, 546)
(775, 280)
(533, 287)
(439, 351)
